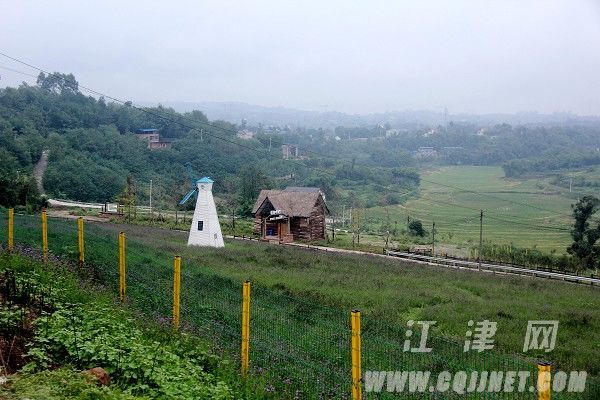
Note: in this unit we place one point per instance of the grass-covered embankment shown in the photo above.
(301, 302)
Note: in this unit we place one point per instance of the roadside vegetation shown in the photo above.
(58, 324)
(387, 290)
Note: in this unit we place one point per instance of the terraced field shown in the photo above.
(527, 213)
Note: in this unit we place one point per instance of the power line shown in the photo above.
(465, 222)
(493, 197)
(560, 228)
(468, 223)
(268, 154)
(496, 218)
(280, 143)
(548, 227)
(192, 128)
(17, 71)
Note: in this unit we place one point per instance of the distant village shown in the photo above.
(293, 151)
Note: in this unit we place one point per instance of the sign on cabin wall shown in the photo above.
(277, 218)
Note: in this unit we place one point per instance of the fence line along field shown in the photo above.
(535, 206)
(301, 302)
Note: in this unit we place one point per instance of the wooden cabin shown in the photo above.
(291, 214)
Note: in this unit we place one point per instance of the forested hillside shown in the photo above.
(93, 150)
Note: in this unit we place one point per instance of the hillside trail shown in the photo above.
(38, 171)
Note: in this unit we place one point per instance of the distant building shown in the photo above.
(432, 131)
(153, 137)
(161, 144)
(245, 134)
(426, 152)
(150, 134)
(290, 151)
(394, 132)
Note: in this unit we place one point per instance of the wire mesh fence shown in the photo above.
(299, 347)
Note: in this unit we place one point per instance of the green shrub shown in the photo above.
(63, 383)
(85, 330)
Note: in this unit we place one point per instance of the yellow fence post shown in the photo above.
(122, 284)
(245, 327)
(544, 387)
(11, 221)
(356, 356)
(44, 236)
(80, 240)
(176, 290)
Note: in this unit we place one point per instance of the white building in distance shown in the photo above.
(205, 229)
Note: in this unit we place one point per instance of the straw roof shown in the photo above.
(290, 202)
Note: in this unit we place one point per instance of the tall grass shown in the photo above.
(301, 302)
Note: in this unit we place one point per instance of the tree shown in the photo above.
(178, 190)
(415, 227)
(585, 244)
(356, 224)
(251, 181)
(129, 197)
(58, 83)
(386, 226)
(232, 199)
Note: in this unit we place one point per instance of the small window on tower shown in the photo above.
(200, 225)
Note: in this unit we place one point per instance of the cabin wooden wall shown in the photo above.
(303, 228)
(317, 223)
(309, 228)
(300, 228)
(257, 224)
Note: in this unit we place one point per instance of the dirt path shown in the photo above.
(38, 171)
(61, 213)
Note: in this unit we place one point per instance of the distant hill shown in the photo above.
(234, 112)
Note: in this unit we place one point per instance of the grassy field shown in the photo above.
(522, 212)
(527, 213)
(302, 298)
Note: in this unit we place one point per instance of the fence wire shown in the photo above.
(299, 348)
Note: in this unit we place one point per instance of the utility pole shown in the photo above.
(333, 228)
(480, 237)
(150, 196)
(269, 144)
(201, 135)
(407, 222)
(433, 240)
(570, 185)
(352, 227)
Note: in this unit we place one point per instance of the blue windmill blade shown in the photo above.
(187, 197)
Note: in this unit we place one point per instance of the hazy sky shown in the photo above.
(353, 56)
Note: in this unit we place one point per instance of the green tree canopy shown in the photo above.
(585, 244)
(415, 227)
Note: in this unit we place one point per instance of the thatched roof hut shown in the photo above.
(290, 214)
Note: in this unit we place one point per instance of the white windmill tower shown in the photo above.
(205, 229)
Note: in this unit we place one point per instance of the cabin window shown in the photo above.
(200, 225)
